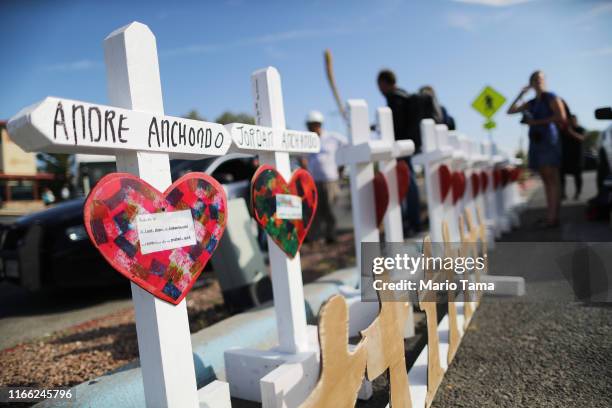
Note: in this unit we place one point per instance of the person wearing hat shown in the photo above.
(324, 170)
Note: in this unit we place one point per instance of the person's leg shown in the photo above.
(320, 216)
(562, 179)
(578, 183)
(330, 218)
(550, 177)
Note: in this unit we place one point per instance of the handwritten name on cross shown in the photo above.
(68, 126)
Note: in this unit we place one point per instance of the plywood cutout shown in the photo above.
(484, 246)
(476, 236)
(466, 251)
(453, 325)
(385, 345)
(342, 371)
(434, 369)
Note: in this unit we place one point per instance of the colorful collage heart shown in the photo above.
(111, 212)
(267, 184)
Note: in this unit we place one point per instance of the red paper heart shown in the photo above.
(505, 176)
(458, 182)
(484, 181)
(515, 174)
(403, 179)
(381, 196)
(266, 184)
(445, 177)
(111, 210)
(496, 178)
(475, 184)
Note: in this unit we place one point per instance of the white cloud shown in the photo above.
(493, 3)
(472, 22)
(598, 52)
(594, 12)
(80, 65)
(461, 21)
(262, 39)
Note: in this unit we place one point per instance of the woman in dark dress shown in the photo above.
(545, 115)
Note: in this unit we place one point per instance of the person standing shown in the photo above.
(571, 157)
(324, 170)
(408, 111)
(544, 115)
(447, 119)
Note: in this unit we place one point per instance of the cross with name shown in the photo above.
(273, 144)
(133, 127)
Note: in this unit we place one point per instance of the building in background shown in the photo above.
(19, 179)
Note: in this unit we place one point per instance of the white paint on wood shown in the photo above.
(434, 154)
(252, 138)
(67, 126)
(287, 283)
(215, 395)
(164, 341)
(362, 178)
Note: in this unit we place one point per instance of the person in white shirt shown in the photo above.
(324, 170)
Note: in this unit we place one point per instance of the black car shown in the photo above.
(50, 248)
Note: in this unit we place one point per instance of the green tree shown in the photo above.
(58, 165)
(230, 117)
(193, 114)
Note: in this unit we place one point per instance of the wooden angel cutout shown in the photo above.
(453, 326)
(385, 345)
(434, 369)
(342, 371)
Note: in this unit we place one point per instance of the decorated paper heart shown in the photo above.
(403, 179)
(458, 181)
(284, 210)
(475, 184)
(496, 178)
(159, 241)
(515, 174)
(505, 176)
(445, 177)
(381, 196)
(484, 181)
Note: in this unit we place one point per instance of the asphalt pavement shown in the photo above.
(552, 347)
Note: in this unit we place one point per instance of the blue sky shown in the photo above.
(208, 49)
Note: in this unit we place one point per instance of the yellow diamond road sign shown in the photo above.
(488, 102)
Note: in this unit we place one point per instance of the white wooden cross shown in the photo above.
(359, 156)
(392, 221)
(263, 375)
(135, 130)
(436, 152)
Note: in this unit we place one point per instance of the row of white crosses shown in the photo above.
(135, 130)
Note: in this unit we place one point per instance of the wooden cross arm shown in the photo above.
(58, 125)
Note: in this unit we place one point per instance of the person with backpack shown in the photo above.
(545, 116)
(408, 111)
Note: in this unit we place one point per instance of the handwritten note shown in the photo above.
(288, 207)
(165, 230)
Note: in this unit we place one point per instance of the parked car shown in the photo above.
(50, 248)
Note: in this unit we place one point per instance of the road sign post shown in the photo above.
(487, 103)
